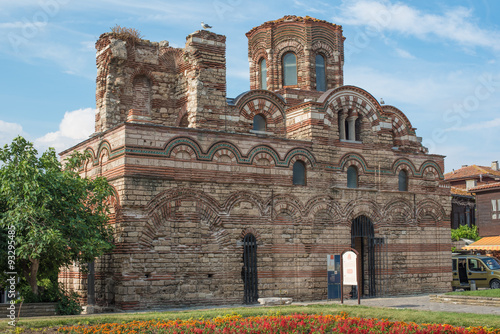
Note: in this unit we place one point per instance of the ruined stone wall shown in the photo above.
(155, 83)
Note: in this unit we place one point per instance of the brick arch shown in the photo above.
(263, 150)
(264, 155)
(103, 157)
(300, 157)
(185, 141)
(404, 164)
(224, 152)
(104, 148)
(300, 154)
(287, 203)
(141, 70)
(430, 173)
(182, 193)
(114, 202)
(252, 231)
(183, 148)
(398, 208)
(272, 112)
(93, 158)
(170, 58)
(165, 206)
(352, 97)
(289, 45)
(321, 47)
(320, 203)
(401, 125)
(430, 208)
(353, 159)
(370, 209)
(431, 164)
(244, 196)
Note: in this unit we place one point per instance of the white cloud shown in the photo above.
(75, 126)
(477, 126)
(456, 24)
(307, 7)
(9, 131)
(396, 89)
(404, 54)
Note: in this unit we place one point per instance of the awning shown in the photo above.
(486, 243)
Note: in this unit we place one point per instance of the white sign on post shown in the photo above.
(349, 264)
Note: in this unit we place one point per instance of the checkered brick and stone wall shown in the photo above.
(187, 192)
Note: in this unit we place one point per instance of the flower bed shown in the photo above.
(296, 323)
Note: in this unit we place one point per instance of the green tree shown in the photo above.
(463, 231)
(59, 217)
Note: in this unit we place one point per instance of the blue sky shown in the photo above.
(437, 61)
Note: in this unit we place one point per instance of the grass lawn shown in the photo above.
(406, 315)
(482, 293)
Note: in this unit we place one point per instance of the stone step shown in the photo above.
(274, 301)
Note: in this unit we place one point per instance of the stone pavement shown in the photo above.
(418, 302)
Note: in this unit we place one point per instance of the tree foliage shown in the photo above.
(465, 232)
(59, 217)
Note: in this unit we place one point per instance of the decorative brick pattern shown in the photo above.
(191, 178)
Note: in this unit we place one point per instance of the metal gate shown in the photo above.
(249, 270)
(363, 240)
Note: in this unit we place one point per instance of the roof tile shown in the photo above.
(470, 171)
(486, 186)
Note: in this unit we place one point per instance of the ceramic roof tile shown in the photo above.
(469, 172)
(486, 186)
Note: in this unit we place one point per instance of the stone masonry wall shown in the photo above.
(186, 201)
(192, 177)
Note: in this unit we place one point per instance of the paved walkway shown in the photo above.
(420, 302)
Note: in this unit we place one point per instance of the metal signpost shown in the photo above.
(349, 271)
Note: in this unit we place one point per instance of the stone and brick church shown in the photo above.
(222, 200)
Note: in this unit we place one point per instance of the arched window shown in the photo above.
(259, 123)
(289, 69)
(299, 173)
(403, 180)
(352, 177)
(320, 73)
(263, 74)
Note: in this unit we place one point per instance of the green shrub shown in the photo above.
(465, 232)
(68, 304)
(48, 291)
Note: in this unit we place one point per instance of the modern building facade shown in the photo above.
(222, 200)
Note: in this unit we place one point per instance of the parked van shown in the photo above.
(483, 270)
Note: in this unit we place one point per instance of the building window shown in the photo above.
(352, 177)
(263, 74)
(357, 129)
(403, 180)
(299, 173)
(259, 123)
(495, 209)
(320, 73)
(289, 69)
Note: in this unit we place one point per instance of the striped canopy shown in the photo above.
(486, 243)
